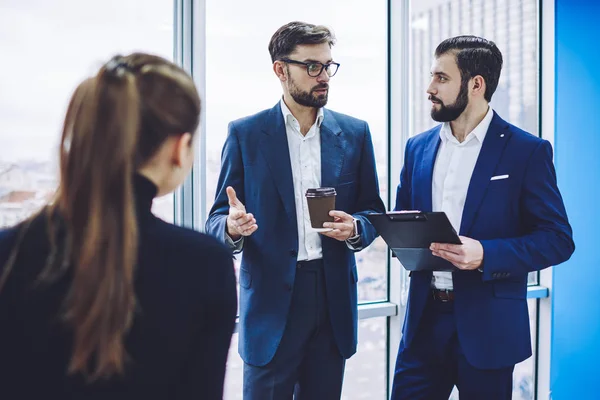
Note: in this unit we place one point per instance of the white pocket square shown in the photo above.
(498, 177)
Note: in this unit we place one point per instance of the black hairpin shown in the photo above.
(117, 66)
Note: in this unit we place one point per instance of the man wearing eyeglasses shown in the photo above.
(298, 298)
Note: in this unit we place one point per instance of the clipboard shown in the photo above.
(409, 235)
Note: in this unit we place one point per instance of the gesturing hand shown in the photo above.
(239, 223)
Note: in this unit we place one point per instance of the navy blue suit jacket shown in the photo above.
(522, 224)
(178, 342)
(256, 163)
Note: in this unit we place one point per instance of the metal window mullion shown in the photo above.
(190, 55)
(183, 196)
(398, 131)
(199, 205)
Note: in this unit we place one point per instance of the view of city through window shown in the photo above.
(53, 46)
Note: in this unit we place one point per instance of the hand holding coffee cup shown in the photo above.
(239, 223)
(324, 218)
(320, 202)
(342, 228)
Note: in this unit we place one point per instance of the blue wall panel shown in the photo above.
(575, 365)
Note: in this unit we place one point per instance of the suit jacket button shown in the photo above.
(288, 287)
(293, 253)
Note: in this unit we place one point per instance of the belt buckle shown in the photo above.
(440, 298)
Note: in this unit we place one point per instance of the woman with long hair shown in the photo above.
(98, 297)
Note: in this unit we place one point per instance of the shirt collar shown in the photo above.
(479, 132)
(288, 116)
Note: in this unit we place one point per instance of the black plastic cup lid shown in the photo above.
(320, 192)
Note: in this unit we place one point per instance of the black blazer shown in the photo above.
(180, 336)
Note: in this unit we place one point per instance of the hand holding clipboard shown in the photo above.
(411, 234)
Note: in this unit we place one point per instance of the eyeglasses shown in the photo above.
(315, 68)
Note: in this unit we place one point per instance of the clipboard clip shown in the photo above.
(407, 216)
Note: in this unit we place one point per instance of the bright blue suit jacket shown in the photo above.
(256, 163)
(522, 224)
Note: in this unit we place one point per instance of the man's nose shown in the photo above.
(323, 77)
(431, 90)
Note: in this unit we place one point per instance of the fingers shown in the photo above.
(235, 213)
(240, 219)
(245, 222)
(248, 230)
(233, 200)
(231, 195)
(446, 255)
(459, 261)
(342, 226)
(451, 248)
(341, 215)
(336, 234)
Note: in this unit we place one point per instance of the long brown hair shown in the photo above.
(115, 122)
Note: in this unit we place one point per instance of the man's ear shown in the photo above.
(280, 70)
(478, 85)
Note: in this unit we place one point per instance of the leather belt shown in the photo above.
(310, 264)
(442, 295)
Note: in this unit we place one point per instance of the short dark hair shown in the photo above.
(475, 56)
(284, 41)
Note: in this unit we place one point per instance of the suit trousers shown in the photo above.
(307, 364)
(434, 363)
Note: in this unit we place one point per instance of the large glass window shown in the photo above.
(365, 376)
(48, 48)
(240, 82)
(513, 25)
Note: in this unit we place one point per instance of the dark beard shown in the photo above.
(450, 112)
(308, 99)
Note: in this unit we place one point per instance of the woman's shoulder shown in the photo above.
(34, 229)
(187, 242)
(8, 236)
(8, 239)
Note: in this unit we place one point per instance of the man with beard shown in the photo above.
(298, 298)
(497, 185)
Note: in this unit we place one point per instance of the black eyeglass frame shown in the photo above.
(307, 64)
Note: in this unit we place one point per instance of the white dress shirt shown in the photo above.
(305, 158)
(454, 165)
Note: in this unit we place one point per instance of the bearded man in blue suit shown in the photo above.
(298, 298)
(497, 184)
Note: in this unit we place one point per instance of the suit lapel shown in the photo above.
(332, 154)
(275, 149)
(491, 151)
(424, 174)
